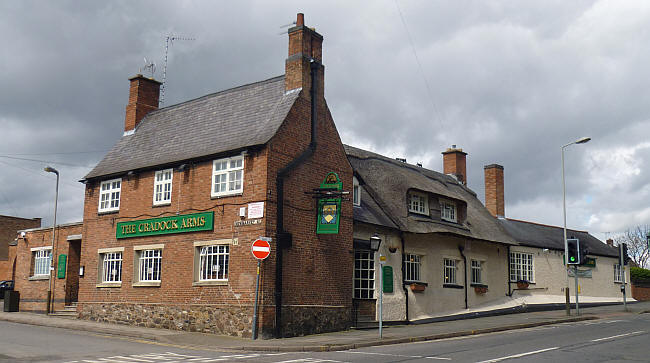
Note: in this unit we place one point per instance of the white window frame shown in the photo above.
(147, 265)
(522, 266)
(448, 211)
(356, 192)
(42, 259)
(162, 186)
(477, 271)
(364, 274)
(229, 175)
(618, 274)
(418, 203)
(450, 271)
(412, 267)
(109, 198)
(110, 266)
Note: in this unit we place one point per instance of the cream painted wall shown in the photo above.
(550, 275)
(394, 306)
(436, 299)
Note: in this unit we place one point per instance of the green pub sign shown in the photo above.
(60, 267)
(166, 225)
(329, 209)
(387, 278)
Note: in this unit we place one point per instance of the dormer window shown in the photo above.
(418, 203)
(448, 211)
(356, 192)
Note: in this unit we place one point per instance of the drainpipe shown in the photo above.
(406, 290)
(460, 248)
(508, 277)
(284, 237)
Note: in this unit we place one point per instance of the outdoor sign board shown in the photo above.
(166, 225)
(388, 278)
(60, 273)
(329, 209)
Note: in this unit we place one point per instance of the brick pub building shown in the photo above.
(171, 211)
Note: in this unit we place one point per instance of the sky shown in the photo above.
(509, 82)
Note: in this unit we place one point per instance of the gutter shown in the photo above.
(284, 239)
(406, 290)
(460, 248)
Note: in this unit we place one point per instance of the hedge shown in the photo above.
(639, 274)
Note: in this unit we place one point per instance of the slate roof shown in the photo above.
(551, 237)
(233, 119)
(388, 181)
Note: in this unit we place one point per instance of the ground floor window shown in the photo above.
(364, 274)
(450, 266)
(213, 263)
(149, 263)
(41, 261)
(521, 266)
(111, 266)
(618, 273)
(412, 264)
(477, 272)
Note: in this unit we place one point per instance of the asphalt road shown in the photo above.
(614, 340)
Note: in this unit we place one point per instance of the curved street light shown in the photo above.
(50, 169)
(566, 245)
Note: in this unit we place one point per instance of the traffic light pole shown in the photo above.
(575, 273)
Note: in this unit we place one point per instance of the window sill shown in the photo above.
(146, 284)
(109, 284)
(101, 213)
(478, 285)
(166, 204)
(39, 277)
(234, 194)
(452, 286)
(210, 283)
(409, 282)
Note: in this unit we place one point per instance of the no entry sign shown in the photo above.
(261, 249)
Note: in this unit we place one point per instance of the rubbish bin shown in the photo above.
(12, 300)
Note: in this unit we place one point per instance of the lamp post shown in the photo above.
(566, 245)
(375, 242)
(50, 169)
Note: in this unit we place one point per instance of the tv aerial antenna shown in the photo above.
(148, 66)
(169, 41)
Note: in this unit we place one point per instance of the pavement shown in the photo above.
(343, 340)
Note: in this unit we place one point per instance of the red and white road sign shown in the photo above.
(261, 249)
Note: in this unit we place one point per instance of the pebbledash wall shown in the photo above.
(316, 269)
(32, 276)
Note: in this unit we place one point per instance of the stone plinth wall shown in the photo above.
(222, 320)
(301, 320)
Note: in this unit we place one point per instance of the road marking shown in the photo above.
(518, 355)
(310, 360)
(618, 336)
(604, 322)
(396, 355)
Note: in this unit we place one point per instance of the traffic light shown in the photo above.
(623, 254)
(574, 252)
(583, 255)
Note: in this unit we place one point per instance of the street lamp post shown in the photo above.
(375, 242)
(50, 169)
(566, 245)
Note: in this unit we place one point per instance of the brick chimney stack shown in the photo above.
(143, 98)
(305, 46)
(494, 197)
(610, 242)
(454, 163)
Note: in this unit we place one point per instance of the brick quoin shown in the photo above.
(317, 269)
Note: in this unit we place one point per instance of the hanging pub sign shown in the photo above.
(329, 209)
(166, 225)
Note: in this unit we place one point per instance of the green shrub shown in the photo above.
(639, 274)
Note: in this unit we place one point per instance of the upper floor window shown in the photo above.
(162, 187)
(109, 195)
(228, 176)
(418, 203)
(356, 192)
(447, 211)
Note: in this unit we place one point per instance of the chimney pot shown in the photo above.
(610, 242)
(305, 48)
(300, 21)
(454, 162)
(143, 98)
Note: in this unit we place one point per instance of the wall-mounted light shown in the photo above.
(183, 167)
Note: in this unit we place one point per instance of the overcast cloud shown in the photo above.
(508, 81)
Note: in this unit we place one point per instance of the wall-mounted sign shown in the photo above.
(256, 210)
(387, 278)
(60, 267)
(166, 225)
(329, 210)
(247, 222)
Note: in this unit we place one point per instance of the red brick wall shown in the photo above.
(33, 293)
(641, 291)
(9, 226)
